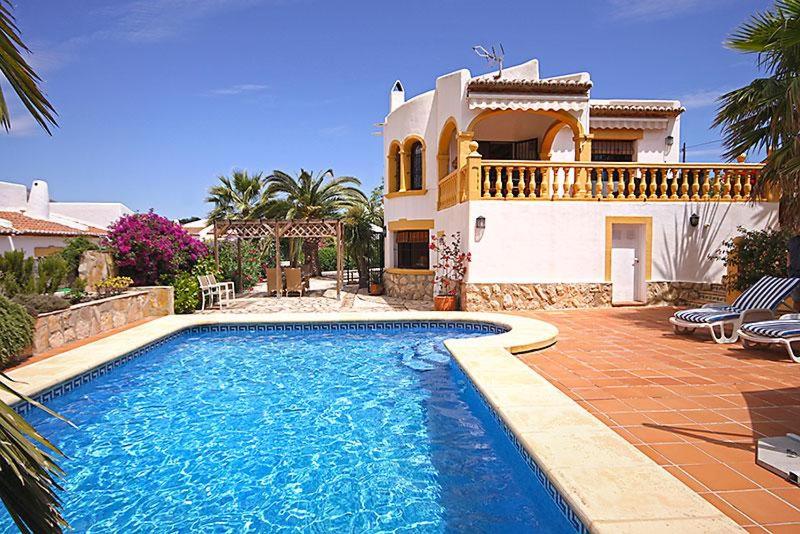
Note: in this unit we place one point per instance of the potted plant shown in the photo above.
(450, 268)
(376, 283)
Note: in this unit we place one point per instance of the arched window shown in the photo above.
(416, 165)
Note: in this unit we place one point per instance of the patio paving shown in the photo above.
(695, 407)
(320, 298)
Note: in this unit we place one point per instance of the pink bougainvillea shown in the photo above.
(147, 246)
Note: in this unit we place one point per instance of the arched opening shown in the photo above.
(413, 159)
(393, 170)
(527, 134)
(447, 155)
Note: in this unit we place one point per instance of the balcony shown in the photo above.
(503, 180)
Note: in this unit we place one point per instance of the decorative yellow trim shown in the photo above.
(397, 270)
(449, 128)
(648, 242)
(409, 193)
(545, 151)
(563, 116)
(410, 224)
(394, 147)
(618, 134)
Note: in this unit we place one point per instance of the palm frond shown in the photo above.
(20, 75)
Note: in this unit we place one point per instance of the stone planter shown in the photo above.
(81, 321)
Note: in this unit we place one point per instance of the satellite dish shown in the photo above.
(493, 57)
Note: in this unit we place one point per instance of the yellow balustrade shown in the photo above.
(602, 181)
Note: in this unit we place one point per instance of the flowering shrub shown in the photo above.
(147, 246)
(754, 253)
(451, 265)
(113, 285)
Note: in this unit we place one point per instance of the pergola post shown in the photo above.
(278, 259)
(239, 260)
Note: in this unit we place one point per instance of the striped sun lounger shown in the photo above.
(757, 303)
(783, 331)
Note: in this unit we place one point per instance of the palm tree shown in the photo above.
(19, 74)
(314, 197)
(241, 196)
(763, 115)
(361, 220)
(28, 472)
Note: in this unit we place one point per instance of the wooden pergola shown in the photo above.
(276, 229)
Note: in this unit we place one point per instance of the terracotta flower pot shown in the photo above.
(376, 289)
(444, 303)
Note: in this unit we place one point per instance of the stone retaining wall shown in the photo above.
(409, 286)
(497, 297)
(88, 319)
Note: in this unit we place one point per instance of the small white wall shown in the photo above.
(13, 196)
(99, 214)
(564, 241)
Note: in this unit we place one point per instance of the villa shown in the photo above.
(562, 200)
(31, 222)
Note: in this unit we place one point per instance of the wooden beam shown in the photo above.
(339, 263)
(216, 249)
(278, 276)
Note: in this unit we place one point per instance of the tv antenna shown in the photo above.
(493, 58)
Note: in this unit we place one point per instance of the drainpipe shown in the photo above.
(11, 242)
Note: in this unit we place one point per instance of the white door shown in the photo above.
(627, 277)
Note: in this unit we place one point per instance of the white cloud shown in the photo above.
(331, 131)
(654, 9)
(702, 98)
(244, 88)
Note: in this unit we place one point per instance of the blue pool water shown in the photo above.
(282, 431)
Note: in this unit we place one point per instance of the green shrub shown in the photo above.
(74, 250)
(255, 255)
(38, 304)
(51, 272)
(754, 253)
(77, 291)
(327, 258)
(16, 331)
(17, 272)
(187, 292)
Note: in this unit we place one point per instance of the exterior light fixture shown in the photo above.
(480, 222)
(694, 220)
(669, 140)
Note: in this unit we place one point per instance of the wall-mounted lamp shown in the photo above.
(694, 220)
(669, 141)
(480, 222)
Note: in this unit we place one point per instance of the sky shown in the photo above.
(157, 98)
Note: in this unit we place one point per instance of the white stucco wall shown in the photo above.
(99, 214)
(29, 243)
(14, 196)
(530, 242)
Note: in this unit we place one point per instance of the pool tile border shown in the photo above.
(611, 503)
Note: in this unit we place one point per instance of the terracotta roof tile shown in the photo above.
(529, 86)
(23, 225)
(634, 110)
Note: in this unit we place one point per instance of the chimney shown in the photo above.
(397, 96)
(39, 200)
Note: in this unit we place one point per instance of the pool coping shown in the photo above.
(567, 444)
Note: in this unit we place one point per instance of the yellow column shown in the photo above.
(403, 177)
(463, 141)
(583, 152)
(474, 160)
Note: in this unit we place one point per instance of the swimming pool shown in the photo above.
(241, 429)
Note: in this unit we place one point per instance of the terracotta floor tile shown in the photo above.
(719, 477)
(730, 511)
(762, 506)
(701, 405)
(687, 479)
(683, 453)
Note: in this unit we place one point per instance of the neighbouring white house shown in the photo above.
(31, 222)
(562, 200)
(200, 229)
